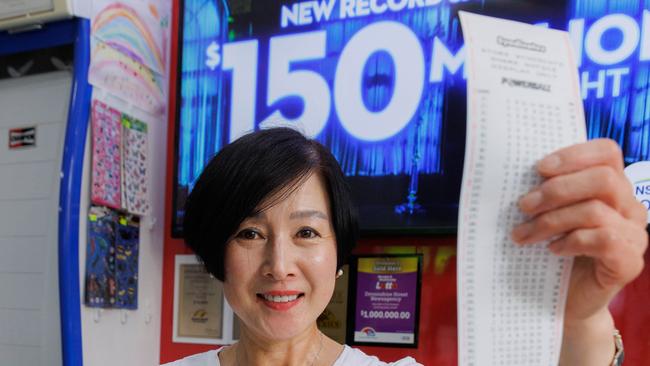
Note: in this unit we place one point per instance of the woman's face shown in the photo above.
(281, 264)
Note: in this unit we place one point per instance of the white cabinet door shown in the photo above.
(29, 199)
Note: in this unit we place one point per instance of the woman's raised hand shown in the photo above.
(587, 209)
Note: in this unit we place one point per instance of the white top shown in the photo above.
(349, 357)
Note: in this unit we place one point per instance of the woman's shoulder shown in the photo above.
(349, 357)
(200, 359)
(354, 357)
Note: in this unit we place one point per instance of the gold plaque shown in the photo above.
(200, 303)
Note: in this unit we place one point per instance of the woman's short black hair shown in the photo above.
(249, 171)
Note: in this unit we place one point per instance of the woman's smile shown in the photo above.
(281, 300)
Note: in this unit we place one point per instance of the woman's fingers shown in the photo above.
(618, 251)
(587, 214)
(578, 157)
(602, 182)
(587, 209)
(595, 230)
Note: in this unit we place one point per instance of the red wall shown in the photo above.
(631, 309)
(437, 343)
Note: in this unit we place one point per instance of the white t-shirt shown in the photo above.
(349, 357)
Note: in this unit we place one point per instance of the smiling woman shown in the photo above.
(271, 217)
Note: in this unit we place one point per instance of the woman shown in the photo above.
(271, 217)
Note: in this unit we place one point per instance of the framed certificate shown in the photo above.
(201, 313)
(384, 300)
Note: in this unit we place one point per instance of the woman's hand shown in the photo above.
(586, 207)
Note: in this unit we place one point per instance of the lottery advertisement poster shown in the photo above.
(386, 300)
(381, 83)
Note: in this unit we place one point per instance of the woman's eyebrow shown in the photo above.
(308, 213)
(257, 216)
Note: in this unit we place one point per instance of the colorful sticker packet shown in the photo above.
(100, 258)
(106, 155)
(135, 196)
(127, 242)
(111, 279)
(119, 160)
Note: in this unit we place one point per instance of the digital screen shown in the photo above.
(382, 84)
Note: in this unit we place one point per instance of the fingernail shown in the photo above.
(530, 201)
(551, 162)
(521, 231)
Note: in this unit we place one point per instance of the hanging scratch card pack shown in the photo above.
(100, 258)
(106, 158)
(135, 195)
(127, 243)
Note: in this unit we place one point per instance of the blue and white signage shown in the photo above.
(639, 175)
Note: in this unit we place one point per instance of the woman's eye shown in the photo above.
(248, 234)
(307, 234)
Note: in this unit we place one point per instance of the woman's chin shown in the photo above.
(280, 328)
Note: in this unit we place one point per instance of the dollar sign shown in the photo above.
(214, 59)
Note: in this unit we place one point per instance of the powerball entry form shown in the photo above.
(523, 102)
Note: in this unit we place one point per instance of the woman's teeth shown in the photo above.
(280, 298)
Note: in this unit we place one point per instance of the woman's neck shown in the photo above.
(303, 349)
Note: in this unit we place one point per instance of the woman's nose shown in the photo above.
(280, 259)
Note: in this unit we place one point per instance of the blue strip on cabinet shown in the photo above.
(69, 196)
(52, 34)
